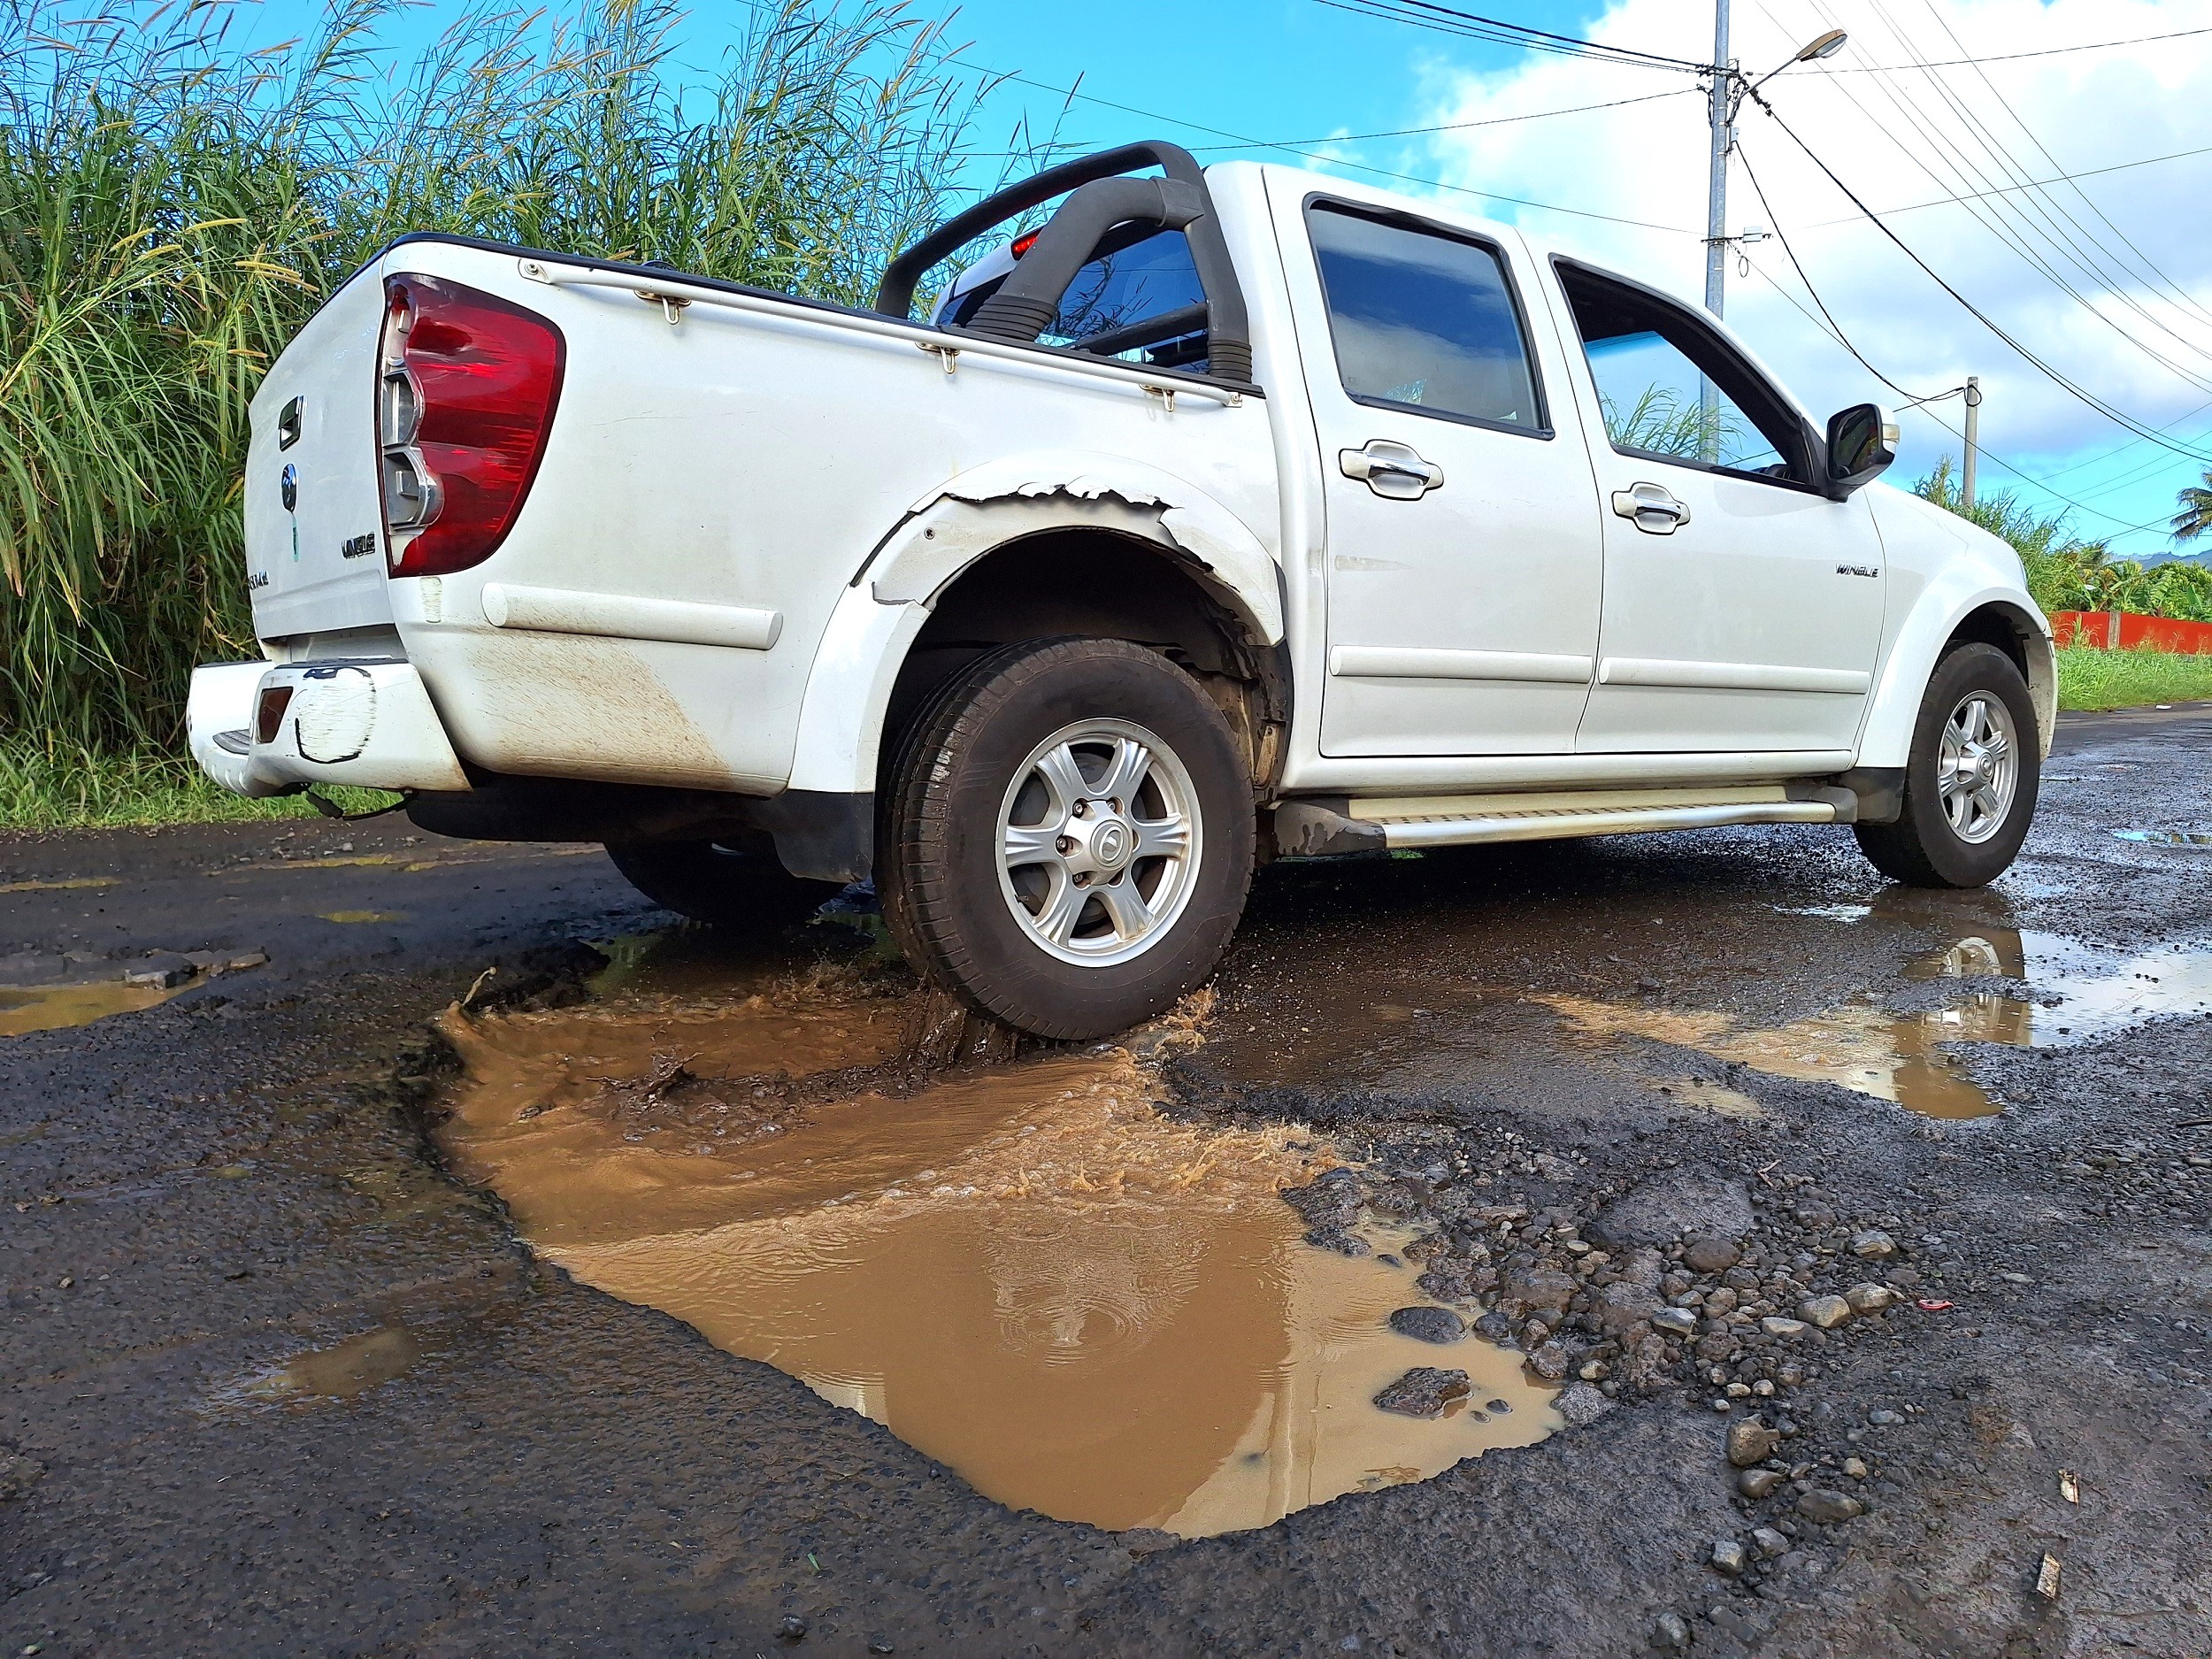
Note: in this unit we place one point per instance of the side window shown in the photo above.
(1423, 320)
(1138, 298)
(1669, 392)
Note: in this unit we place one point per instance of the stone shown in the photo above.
(1854, 1467)
(1881, 1418)
(1769, 1542)
(1670, 1634)
(1623, 1307)
(793, 1628)
(1828, 1507)
(1428, 1325)
(1750, 1441)
(1708, 1254)
(1869, 1297)
(1759, 1482)
(1827, 1313)
(247, 959)
(1424, 1391)
(1549, 1362)
(1873, 1245)
(1525, 1290)
(1675, 1321)
(163, 971)
(1581, 1405)
(1495, 1328)
(1775, 1325)
(1729, 1556)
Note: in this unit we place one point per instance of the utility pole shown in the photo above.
(1721, 115)
(1973, 439)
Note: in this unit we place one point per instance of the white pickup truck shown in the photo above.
(1232, 513)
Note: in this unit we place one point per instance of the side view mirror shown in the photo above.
(1861, 443)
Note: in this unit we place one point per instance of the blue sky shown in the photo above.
(2087, 293)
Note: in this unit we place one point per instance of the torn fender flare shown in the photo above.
(1075, 488)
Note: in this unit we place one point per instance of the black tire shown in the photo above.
(720, 883)
(1923, 848)
(973, 755)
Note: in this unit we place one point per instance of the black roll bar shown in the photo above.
(1101, 199)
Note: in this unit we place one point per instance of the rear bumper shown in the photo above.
(258, 729)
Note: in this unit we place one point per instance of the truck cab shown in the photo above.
(1226, 514)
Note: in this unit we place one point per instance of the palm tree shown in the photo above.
(2195, 517)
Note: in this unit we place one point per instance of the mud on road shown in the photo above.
(1825, 1266)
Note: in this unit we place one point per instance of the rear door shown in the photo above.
(1465, 548)
(1743, 607)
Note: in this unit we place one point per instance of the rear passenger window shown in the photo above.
(1424, 320)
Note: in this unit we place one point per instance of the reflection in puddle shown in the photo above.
(2168, 838)
(25, 1009)
(364, 916)
(1902, 1057)
(69, 885)
(1027, 1273)
(343, 1370)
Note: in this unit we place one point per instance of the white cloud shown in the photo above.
(1901, 140)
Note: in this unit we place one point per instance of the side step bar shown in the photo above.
(1319, 828)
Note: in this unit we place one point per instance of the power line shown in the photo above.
(2010, 58)
(2090, 398)
(1333, 161)
(1425, 14)
(2014, 237)
(2005, 190)
(1460, 127)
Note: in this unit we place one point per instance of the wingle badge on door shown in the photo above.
(1857, 570)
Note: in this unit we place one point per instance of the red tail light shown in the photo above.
(469, 386)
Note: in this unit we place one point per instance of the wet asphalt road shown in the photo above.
(195, 1194)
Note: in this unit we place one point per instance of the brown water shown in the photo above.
(2081, 993)
(25, 1009)
(345, 1370)
(1081, 1305)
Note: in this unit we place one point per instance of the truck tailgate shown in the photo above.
(314, 527)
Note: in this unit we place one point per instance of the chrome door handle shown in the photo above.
(1391, 469)
(1654, 507)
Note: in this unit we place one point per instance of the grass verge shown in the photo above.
(2091, 678)
(57, 787)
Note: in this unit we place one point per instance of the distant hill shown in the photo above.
(2148, 560)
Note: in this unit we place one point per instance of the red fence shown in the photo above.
(2126, 631)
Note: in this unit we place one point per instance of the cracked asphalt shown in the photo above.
(197, 1194)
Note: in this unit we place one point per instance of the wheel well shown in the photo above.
(1101, 584)
(1992, 626)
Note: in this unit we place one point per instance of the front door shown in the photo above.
(1743, 607)
(1463, 543)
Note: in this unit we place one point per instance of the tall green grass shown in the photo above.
(174, 205)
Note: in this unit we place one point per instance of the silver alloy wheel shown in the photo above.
(1977, 769)
(1098, 838)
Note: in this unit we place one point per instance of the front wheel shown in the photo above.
(1068, 836)
(1971, 780)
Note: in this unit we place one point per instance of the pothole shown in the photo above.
(342, 1370)
(1027, 1272)
(27, 1009)
(2078, 992)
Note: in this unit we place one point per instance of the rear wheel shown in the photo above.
(726, 884)
(1068, 836)
(1971, 780)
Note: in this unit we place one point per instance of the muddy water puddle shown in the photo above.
(1026, 1272)
(27, 1009)
(2077, 992)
